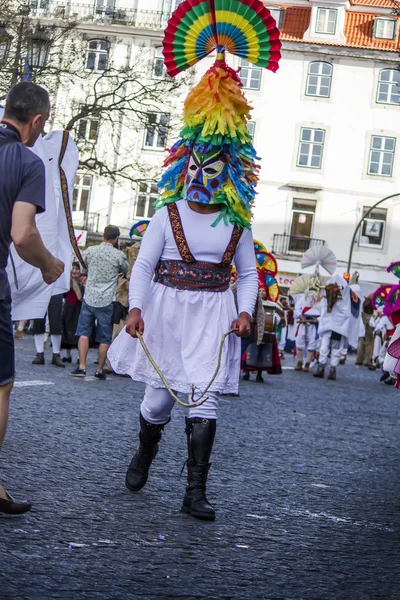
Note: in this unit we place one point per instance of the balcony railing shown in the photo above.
(98, 13)
(293, 244)
(91, 222)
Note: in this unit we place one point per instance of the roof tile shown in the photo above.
(358, 28)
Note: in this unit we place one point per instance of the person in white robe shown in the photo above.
(334, 328)
(306, 314)
(30, 295)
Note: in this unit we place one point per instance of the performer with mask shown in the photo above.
(179, 288)
(334, 324)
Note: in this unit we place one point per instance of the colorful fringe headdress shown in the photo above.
(216, 111)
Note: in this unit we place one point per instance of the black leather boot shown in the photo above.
(138, 470)
(200, 439)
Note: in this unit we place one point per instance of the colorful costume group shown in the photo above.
(328, 312)
(180, 281)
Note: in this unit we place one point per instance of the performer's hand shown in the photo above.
(242, 325)
(54, 269)
(135, 322)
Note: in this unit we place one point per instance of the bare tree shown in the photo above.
(105, 102)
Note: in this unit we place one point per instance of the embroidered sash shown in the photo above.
(190, 274)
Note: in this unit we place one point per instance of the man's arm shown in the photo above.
(123, 264)
(29, 244)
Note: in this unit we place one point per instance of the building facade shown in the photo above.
(326, 126)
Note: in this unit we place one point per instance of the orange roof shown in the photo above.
(374, 3)
(357, 30)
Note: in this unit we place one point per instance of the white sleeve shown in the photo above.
(245, 264)
(150, 252)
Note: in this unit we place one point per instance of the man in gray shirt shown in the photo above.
(104, 263)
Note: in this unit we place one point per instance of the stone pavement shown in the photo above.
(305, 480)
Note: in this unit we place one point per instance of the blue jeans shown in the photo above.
(7, 355)
(104, 325)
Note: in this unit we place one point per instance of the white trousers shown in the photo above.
(306, 338)
(334, 346)
(283, 339)
(158, 403)
(377, 347)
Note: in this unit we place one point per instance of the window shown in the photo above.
(97, 55)
(88, 129)
(81, 195)
(277, 14)
(303, 212)
(319, 79)
(250, 75)
(389, 87)
(326, 20)
(381, 155)
(373, 228)
(384, 29)
(171, 5)
(251, 127)
(104, 7)
(157, 131)
(147, 194)
(311, 147)
(158, 65)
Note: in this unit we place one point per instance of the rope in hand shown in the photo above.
(199, 401)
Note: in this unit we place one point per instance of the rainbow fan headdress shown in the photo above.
(216, 111)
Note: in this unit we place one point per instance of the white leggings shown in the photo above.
(334, 346)
(158, 403)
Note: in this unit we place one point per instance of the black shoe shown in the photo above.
(246, 376)
(138, 470)
(12, 507)
(66, 359)
(385, 376)
(39, 359)
(259, 378)
(101, 375)
(200, 439)
(78, 372)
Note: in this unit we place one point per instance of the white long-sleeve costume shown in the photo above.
(306, 334)
(336, 322)
(183, 328)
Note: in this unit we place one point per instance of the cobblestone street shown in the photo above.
(305, 481)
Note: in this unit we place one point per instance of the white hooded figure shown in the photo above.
(355, 323)
(334, 327)
(30, 295)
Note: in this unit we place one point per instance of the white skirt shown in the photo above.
(183, 331)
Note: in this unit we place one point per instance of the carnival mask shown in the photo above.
(207, 172)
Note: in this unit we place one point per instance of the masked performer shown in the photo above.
(334, 324)
(179, 288)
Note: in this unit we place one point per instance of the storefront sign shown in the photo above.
(285, 279)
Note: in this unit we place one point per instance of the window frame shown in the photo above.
(155, 59)
(281, 12)
(335, 10)
(148, 201)
(311, 142)
(385, 20)
(253, 127)
(382, 151)
(97, 52)
(80, 187)
(392, 84)
(251, 68)
(157, 131)
(319, 75)
(88, 120)
(373, 220)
